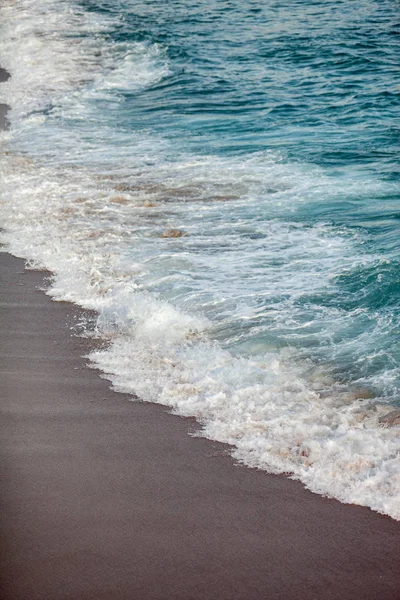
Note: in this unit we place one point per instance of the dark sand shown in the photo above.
(4, 124)
(108, 499)
(4, 75)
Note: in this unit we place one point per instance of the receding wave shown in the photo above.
(223, 287)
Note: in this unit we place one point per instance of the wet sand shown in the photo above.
(104, 498)
(4, 75)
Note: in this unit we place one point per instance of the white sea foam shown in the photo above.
(59, 56)
(192, 322)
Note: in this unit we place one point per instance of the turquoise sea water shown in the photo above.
(267, 133)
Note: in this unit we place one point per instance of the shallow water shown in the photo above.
(268, 137)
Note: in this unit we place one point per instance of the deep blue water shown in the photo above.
(315, 80)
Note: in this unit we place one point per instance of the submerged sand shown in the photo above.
(105, 498)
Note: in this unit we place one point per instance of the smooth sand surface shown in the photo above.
(108, 499)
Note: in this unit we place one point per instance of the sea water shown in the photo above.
(220, 181)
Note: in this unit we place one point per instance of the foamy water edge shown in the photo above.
(264, 405)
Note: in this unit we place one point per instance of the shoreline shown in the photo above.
(108, 498)
(105, 497)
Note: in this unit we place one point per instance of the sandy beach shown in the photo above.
(107, 498)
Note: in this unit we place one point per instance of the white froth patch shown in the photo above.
(59, 56)
(131, 67)
(268, 412)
